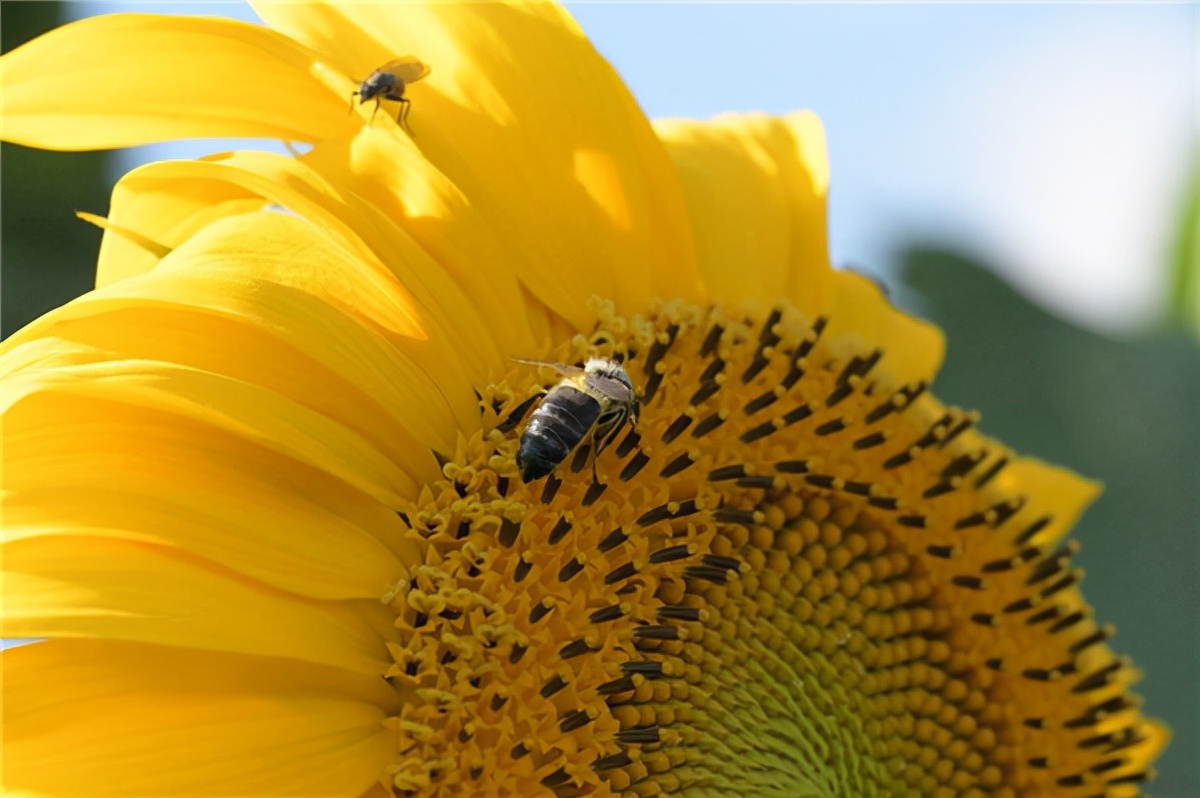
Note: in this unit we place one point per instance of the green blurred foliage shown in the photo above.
(47, 255)
(1126, 413)
(1184, 298)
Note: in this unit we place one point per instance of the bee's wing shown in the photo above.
(613, 389)
(561, 368)
(407, 68)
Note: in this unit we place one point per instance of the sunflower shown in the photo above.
(261, 498)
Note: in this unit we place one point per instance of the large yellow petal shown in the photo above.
(39, 403)
(912, 349)
(118, 719)
(285, 541)
(301, 308)
(478, 312)
(580, 183)
(756, 192)
(154, 209)
(129, 390)
(755, 188)
(119, 80)
(150, 477)
(404, 196)
(1053, 492)
(101, 587)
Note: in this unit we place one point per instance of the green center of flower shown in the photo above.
(787, 581)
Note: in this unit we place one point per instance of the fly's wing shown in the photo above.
(561, 368)
(407, 68)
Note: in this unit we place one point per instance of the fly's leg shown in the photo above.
(402, 118)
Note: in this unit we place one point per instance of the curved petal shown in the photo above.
(119, 80)
(293, 545)
(1052, 491)
(406, 197)
(120, 719)
(581, 184)
(476, 312)
(108, 395)
(273, 283)
(755, 188)
(92, 587)
(156, 479)
(218, 404)
(912, 349)
(153, 210)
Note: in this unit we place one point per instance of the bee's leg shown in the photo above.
(514, 419)
(609, 429)
(597, 447)
(376, 110)
(606, 436)
(353, 94)
(581, 457)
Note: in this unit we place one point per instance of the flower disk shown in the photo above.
(873, 612)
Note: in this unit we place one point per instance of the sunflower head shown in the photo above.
(733, 612)
(294, 512)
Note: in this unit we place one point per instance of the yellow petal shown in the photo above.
(756, 192)
(580, 183)
(406, 197)
(912, 349)
(274, 284)
(284, 541)
(118, 719)
(38, 402)
(1051, 491)
(119, 80)
(87, 586)
(476, 313)
(232, 501)
(755, 188)
(154, 209)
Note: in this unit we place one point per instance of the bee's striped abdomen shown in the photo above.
(555, 428)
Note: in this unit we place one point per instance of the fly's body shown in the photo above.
(591, 404)
(388, 83)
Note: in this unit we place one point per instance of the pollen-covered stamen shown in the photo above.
(793, 577)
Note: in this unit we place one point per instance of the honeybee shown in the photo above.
(388, 83)
(593, 403)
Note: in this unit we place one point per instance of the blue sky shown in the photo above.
(1051, 137)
